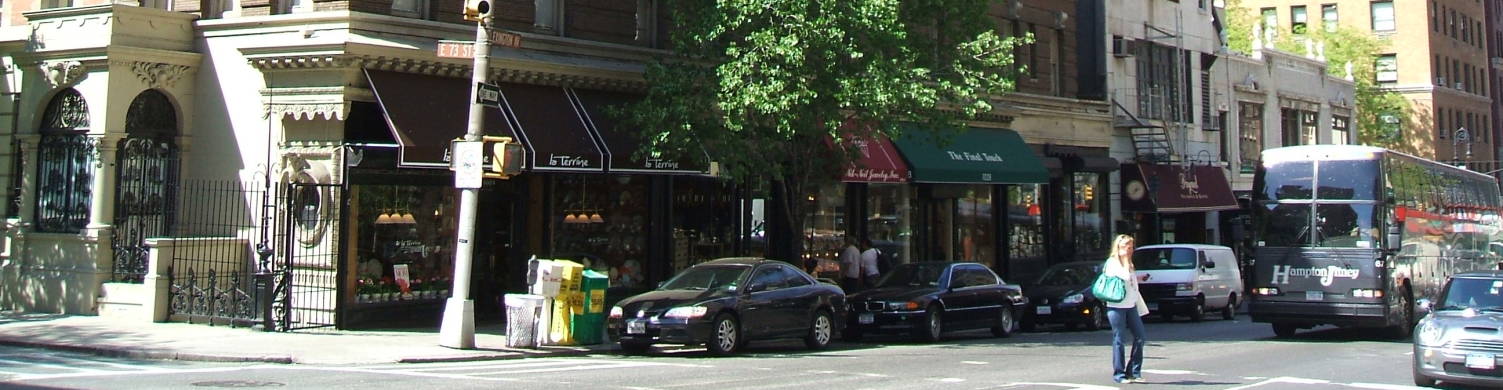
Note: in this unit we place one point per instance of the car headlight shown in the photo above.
(1073, 299)
(686, 312)
(895, 306)
(1183, 286)
(1429, 334)
(616, 312)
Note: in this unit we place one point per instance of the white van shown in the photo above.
(1188, 279)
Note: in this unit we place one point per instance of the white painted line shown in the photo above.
(28, 377)
(489, 366)
(951, 380)
(1171, 372)
(1383, 386)
(418, 374)
(573, 368)
(1072, 386)
(973, 362)
(1282, 379)
(821, 372)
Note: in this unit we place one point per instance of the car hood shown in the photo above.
(1460, 319)
(1033, 292)
(654, 302)
(892, 294)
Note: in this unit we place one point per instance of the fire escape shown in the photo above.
(1161, 116)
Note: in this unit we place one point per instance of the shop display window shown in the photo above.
(825, 227)
(704, 221)
(974, 228)
(889, 221)
(1089, 219)
(601, 221)
(403, 241)
(1025, 239)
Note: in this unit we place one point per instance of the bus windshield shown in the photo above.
(1332, 205)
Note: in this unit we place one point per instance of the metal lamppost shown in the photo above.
(1461, 136)
(458, 327)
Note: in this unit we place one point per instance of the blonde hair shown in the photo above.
(1117, 243)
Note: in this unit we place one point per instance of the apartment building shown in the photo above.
(1437, 57)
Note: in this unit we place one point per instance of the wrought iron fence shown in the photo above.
(65, 173)
(307, 242)
(213, 268)
(145, 202)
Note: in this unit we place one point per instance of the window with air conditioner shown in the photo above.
(1383, 20)
(1387, 69)
(1298, 18)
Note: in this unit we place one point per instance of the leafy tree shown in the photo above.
(1377, 108)
(768, 86)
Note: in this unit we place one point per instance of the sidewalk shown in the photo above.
(179, 341)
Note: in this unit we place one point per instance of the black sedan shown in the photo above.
(1063, 296)
(928, 299)
(726, 302)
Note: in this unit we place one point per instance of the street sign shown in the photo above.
(456, 49)
(487, 94)
(506, 39)
(469, 164)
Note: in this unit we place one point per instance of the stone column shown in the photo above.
(102, 202)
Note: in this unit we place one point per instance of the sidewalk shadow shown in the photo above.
(10, 317)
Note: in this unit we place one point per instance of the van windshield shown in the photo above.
(1163, 258)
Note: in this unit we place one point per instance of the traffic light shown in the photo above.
(477, 10)
(506, 157)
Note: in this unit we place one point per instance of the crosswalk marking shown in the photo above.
(492, 370)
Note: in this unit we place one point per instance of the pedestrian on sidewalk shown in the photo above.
(1127, 315)
(869, 269)
(850, 267)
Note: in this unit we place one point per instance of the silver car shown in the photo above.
(1461, 339)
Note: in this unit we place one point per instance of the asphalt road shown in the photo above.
(1181, 355)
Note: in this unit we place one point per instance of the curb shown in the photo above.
(126, 352)
(509, 354)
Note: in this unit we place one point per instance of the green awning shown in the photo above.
(978, 155)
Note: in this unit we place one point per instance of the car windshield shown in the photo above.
(1163, 258)
(1069, 275)
(914, 275)
(1476, 294)
(707, 278)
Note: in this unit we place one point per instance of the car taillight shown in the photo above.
(1266, 291)
(615, 312)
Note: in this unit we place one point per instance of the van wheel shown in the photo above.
(1230, 311)
(1284, 329)
(1198, 310)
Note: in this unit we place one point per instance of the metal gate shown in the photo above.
(145, 201)
(306, 252)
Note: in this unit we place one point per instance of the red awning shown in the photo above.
(1175, 189)
(879, 161)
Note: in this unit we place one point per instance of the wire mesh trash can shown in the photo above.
(522, 312)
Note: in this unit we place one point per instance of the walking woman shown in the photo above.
(1127, 315)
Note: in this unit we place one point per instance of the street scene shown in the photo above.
(661, 194)
(1181, 355)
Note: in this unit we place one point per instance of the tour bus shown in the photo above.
(1353, 236)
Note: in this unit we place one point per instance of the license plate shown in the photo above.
(1315, 295)
(636, 327)
(866, 318)
(1044, 310)
(1481, 361)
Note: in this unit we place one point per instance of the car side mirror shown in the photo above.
(756, 287)
(1210, 264)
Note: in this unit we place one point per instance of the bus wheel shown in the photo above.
(1406, 318)
(1284, 329)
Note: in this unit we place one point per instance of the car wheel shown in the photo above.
(1005, 323)
(1098, 319)
(1230, 311)
(1198, 310)
(725, 336)
(1284, 329)
(820, 330)
(1421, 379)
(933, 324)
(631, 348)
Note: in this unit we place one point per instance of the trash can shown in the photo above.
(522, 312)
(589, 325)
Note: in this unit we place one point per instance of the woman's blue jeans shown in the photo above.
(1126, 320)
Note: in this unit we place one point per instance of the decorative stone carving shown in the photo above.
(62, 73)
(158, 75)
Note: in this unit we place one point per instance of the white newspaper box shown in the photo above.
(550, 277)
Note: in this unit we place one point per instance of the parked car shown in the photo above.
(1460, 340)
(1062, 295)
(929, 298)
(1188, 279)
(726, 302)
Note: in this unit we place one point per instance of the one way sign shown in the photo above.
(487, 94)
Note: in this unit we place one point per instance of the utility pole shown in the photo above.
(458, 327)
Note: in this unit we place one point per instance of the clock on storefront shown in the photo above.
(1136, 190)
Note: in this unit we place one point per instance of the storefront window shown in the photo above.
(974, 228)
(824, 225)
(889, 222)
(403, 240)
(704, 221)
(1025, 241)
(1088, 209)
(601, 221)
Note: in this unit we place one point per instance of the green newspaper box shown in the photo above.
(588, 327)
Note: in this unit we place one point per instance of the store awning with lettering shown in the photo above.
(552, 128)
(977, 155)
(1156, 188)
(622, 143)
(424, 113)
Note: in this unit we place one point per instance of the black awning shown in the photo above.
(622, 143)
(552, 128)
(424, 113)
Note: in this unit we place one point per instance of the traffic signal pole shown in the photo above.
(458, 327)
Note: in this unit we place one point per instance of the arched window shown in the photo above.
(146, 176)
(65, 165)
